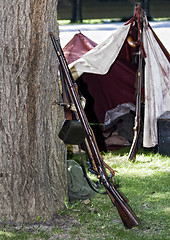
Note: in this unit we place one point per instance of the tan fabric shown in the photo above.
(116, 139)
(157, 87)
(99, 59)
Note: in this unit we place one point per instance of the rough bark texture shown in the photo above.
(32, 158)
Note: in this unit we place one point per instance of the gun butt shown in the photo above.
(132, 153)
(127, 216)
(133, 149)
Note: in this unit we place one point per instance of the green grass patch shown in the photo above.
(90, 21)
(144, 182)
(104, 20)
(23, 234)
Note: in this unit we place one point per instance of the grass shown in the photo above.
(144, 182)
(94, 21)
(22, 235)
(88, 21)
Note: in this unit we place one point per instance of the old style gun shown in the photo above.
(128, 217)
(139, 78)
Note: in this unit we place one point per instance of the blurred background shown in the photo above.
(79, 10)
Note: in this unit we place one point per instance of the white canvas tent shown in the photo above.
(101, 58)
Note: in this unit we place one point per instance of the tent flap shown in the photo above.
(157, 87)
(99, 59)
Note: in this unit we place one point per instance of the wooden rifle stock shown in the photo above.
(128, 218)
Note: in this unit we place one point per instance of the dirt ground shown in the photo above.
(58, 228)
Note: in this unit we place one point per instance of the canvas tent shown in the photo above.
(107, 78)
(77, 47)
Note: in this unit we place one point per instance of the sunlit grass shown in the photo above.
(145, 183)
(6, 234)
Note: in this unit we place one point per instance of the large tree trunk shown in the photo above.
(32, 158)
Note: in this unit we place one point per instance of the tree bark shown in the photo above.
(32, 157)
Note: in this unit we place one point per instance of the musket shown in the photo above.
(139, 78)
(128, 217)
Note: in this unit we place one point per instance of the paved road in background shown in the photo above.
(99, 32)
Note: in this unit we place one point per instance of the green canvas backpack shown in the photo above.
(78, 187)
